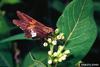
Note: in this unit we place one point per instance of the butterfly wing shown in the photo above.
(26, 18)
(30, 25)
(20, 24)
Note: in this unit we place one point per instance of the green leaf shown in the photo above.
(39, 54)
(10, 1)
(59, 6)
(30, 62)
(4, 28)
(15, 37)
(78, 25)
(6, 59)
(5, 46)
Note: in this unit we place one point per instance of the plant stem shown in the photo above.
(56, 65)
(49, 65)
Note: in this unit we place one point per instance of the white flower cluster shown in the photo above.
(60, 54)
(53, 41)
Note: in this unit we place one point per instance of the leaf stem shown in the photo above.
(31, 56)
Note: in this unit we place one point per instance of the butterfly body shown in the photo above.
(31, 26)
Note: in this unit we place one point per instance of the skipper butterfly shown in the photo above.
(31, 27)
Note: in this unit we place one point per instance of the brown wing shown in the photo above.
(28, 24)
(20, 24)
(26, 18)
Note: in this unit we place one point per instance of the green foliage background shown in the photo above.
(76, 22)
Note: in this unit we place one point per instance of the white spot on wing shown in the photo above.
(33, 33)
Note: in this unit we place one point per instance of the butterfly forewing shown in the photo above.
(30, 25)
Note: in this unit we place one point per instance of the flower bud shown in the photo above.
(56, 31)
(64, 57)
(62, 37)
(55, 54)
(45, 44)
(49, 40)
(58, 37)
(60, 48)
(66, 51)
(61, 34)
(49, 52)
(54, 42)
(60, 55)
(49, 61)
(60, 59)
(55, 60)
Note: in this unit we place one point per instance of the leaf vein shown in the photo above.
(77, 36)
(76, 22)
